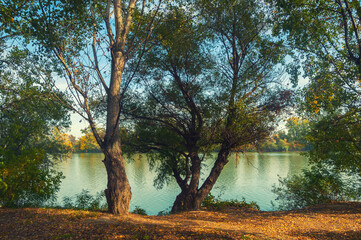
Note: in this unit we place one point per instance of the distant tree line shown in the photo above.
(291, 138)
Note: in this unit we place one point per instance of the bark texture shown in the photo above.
(118, 192)
(187, 201)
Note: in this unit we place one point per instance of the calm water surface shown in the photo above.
(251, 178)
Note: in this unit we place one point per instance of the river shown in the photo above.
(251, 177)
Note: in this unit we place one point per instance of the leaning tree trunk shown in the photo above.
(222, 160)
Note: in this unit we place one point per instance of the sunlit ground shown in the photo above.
(335, 221)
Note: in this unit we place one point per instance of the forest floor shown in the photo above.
(340, 220)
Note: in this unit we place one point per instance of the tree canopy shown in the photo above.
(207, 85)
(325, 35)
(28, 114)
(89, 44)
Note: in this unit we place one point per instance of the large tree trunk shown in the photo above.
(191, 198)
(187, 201)
(118, 192)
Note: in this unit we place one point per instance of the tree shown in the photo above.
(327, 35)
(28, 150)
(90, 43)
(196, 104)
(87, 142)
(276, 143)
(298, 129)
(65, 140)
(10, 13)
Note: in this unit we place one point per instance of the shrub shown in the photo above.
(211, 202)
(164, 212)
(319, 184)
(86, 201)
(139, 211)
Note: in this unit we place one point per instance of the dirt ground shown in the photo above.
(341, 220)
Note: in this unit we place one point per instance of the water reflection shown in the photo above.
(251, 177)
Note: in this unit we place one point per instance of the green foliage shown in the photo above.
(70, 23)
(205, 84)
(212, 203)
(325, 36)
(28, 149)
(141, 233)
(276, 143)
(294, 140)
(11, 13)
(166, 111)
(190, 106)
(318, 184)
(336, 138)
(298, 129)
(27, 181)
(165, 212)
(86, 201)
(139, 211)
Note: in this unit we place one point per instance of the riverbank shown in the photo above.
(341, 220)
